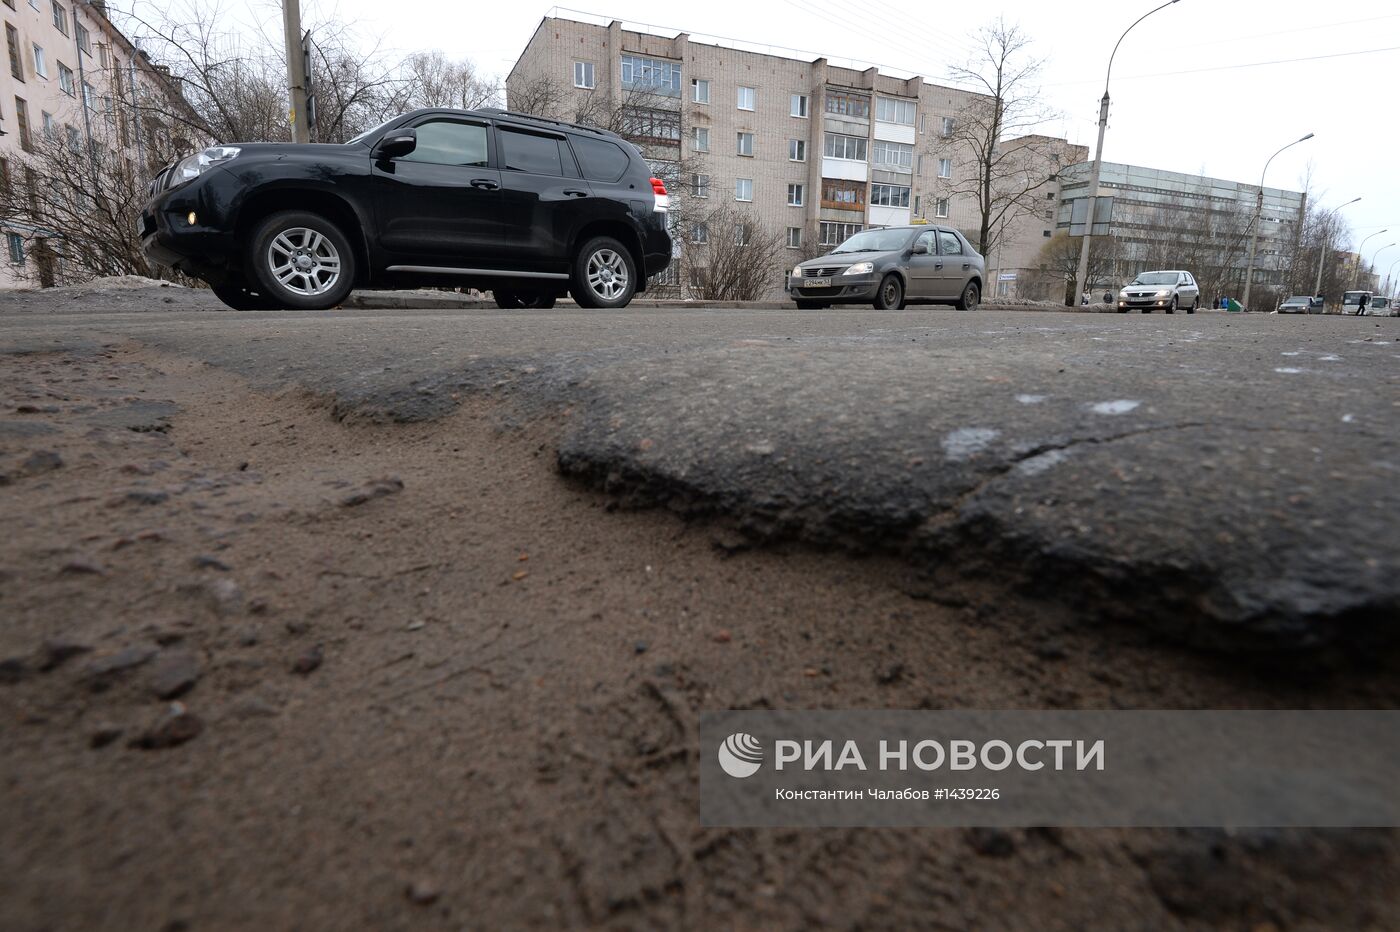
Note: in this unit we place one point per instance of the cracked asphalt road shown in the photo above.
(1231, 480)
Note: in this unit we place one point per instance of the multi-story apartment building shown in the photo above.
(71, 75)
(1164, 219)
(1014, 266)
(808, 149)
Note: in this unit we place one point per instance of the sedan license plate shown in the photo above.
(816, 283)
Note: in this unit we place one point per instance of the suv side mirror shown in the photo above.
(398, 143)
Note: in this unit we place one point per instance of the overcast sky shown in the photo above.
(1184, 96)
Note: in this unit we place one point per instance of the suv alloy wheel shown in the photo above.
(604, 274)
(302, 261)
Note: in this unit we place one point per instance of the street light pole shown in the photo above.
(1378, 252)
(1387, 276)
(1258, 218)
(1322, 253)
(1081, 280)
(1356, 266)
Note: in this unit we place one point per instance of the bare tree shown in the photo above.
(434, 80)
(77, 203)
(735, 257)
(1059, 257)
(1001, 175)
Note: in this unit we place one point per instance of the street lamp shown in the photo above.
(1098, 154)
(1356, 266)
(1258, 218)
(1322, 254)
(1387, 276)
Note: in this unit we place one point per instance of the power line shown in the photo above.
(1256, 64)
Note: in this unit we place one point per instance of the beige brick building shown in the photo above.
(808, 149)
(69, 74)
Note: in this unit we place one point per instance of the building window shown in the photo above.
(890, 110)
(700, 234)
(849, 105)
(699, 185)
(940, 208)
(947, 127)
(797, 150)
(12, 39)
(794, 238)
(89, 96)
(699, 90)
(22, 119)
(46, 121)
(796, 194)
(917, 212)
(584, 76)
(844, 195)
(102, 54)
(743, 233)
(834, 234)
(1046, 233)
(65, 80)
(661, 126)
(75, 139)
(16, 248)
(921, 124)
(745, 144)
(743, 189)
(10, 4)
(799, 105)
(701, 142)
(746, 98)
(1049, 215)
(652, 74)
(41, 63)
(851, 148)
(945, 168)
(60, 18)
(893, 154)
(84, 42)
(889, 195)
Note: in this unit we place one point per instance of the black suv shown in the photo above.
(525, 207)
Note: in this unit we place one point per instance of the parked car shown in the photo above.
(890, 267)
(522, 206)
(1167, 290)
(1301, 304)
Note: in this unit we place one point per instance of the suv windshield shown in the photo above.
(1155, 278)
(367, 134)
(875, 241)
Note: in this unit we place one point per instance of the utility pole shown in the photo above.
(296, 70)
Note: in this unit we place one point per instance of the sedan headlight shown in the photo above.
(797, 271)
(1163, 294)
(199, 163)
(860, 268)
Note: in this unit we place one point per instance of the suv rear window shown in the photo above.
(601, 160)
(526, 152)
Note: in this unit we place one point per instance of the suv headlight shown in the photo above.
(199, 163)
(860, 268)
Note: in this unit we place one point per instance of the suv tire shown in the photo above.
(516, 300)
(604, 274)
(301, 260)
(971, 296)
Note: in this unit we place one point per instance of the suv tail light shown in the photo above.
(663, 200)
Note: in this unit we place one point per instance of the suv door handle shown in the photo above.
(575, 192)
(485, 184)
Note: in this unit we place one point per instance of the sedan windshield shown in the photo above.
(1155, 278)
(875, 241)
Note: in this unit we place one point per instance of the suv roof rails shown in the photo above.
(516, 114)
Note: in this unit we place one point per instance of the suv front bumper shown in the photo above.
(168, 238)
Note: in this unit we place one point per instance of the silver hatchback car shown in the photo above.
(1166, 290)
(893, 266)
